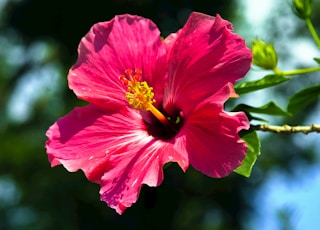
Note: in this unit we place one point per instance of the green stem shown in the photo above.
(277, 71)
(313, 31)
(297, 71)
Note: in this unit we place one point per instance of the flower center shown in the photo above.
(140, 95)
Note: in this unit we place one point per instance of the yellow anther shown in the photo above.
(140, 94)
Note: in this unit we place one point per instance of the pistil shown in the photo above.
(140, 94)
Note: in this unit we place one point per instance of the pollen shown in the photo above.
(140, 94)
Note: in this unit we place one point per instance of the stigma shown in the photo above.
(140, 94)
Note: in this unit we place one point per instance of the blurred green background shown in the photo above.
(38, 44)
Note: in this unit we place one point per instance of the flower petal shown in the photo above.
(112, 149)
(109, 48)
(205, 55)
(170, 40)
(211, 137)
(129, 170)
(83, 138)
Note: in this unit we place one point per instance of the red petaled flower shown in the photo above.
(152, 102)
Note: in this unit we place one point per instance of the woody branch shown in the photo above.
(288, 128)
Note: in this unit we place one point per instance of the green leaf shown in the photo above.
(266, 82)
(317, 60)
(253, 142)
(250, 117)
(270, 108)
(303, 98)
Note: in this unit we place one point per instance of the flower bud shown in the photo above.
(302, 8)
(264, 54)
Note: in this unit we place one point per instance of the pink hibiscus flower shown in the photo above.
(152, 102)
